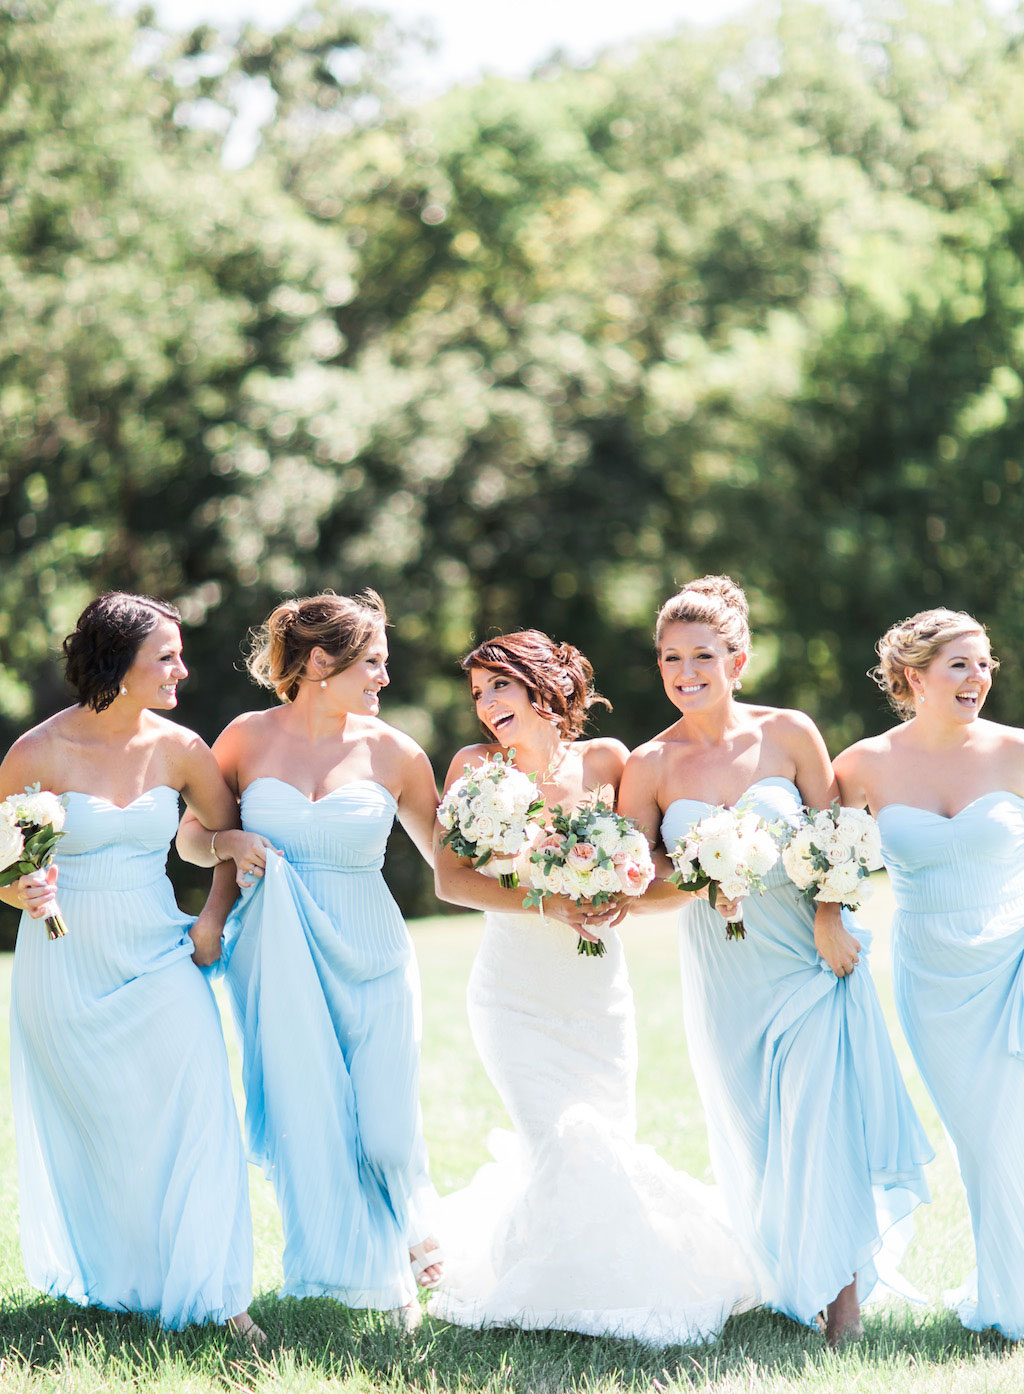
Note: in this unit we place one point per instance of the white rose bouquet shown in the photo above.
(590, 854)
(488, 813)
(832, 852)
(30, 826)
(729, 850)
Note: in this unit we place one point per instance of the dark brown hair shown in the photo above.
(559, 679)
(103, 645)
(341, 625)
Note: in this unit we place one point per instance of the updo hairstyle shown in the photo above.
(913, 644)
(343, 626)
(713, 600)
(105, 641)
(558, 678)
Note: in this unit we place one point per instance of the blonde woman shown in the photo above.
(813, 1138)
(319, 964)
(947, 787)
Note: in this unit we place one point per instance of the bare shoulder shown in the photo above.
(1008, 741)
(389, 737)
(866, 754)
(651, 752)
(34, 756)
(469, 755)
(604, 757)
(246, 731)
(789, 726)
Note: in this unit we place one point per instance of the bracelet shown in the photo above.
(213, 848)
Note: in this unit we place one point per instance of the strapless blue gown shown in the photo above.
(958, 975)
(813, 1138)
(132, 1178)
(324, 986)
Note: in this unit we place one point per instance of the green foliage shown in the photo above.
(750, 299)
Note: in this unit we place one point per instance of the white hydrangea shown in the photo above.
(39, 808)
(12, 841)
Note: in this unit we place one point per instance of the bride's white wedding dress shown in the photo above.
(574, 1225)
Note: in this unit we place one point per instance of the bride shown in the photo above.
(574, 1226)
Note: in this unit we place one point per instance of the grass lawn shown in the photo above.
(315, 1345)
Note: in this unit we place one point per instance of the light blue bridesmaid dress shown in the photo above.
(325, 990)
(958, 975)
(132, 1178)
(813, 1138)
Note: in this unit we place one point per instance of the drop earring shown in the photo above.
(124, 690)
(736, 684)
(323, 682)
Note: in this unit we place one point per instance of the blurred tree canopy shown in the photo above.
(749, 299)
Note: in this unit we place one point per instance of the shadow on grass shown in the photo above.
(314, 1339)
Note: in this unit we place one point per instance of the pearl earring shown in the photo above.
(736, 684)
(323, 682)
(124, 690)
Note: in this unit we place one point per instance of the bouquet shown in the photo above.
(729, 850)
(832, 853)
(487, 813)
(30, 825)
(590, 854)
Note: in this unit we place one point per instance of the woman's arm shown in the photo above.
(211, 804)
(417, 798)
(813, 774)
(211, 844)
(29, 760)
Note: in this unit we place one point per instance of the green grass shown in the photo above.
(315, 1345)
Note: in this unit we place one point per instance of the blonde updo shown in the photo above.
(343, 626)
(713, 600)
(559, 679)
(913, 644)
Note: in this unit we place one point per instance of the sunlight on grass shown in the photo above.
(315, 1345)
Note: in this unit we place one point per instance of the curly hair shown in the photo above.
(558, 678)
(913, 643)
(104, 643)
(343, 626)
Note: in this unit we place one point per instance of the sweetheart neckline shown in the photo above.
(272, 778)
(767, 779)
(952, 817)
(122, 807)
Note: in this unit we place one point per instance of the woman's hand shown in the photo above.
(206, 935)
(37, 892)
(587, 919)
(730, 910)
(834, 942)
(248, 851)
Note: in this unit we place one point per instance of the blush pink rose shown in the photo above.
(582, 857)
(552, 843)
(631, 878)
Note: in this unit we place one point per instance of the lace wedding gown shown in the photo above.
(575, 1226)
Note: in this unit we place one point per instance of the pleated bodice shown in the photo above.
(957, 865)
(336, 844)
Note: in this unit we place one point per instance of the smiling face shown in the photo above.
(502, 705)
(152, 680)
(356, 688)
(696, 666)
(956, 681)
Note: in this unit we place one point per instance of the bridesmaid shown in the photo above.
(132, 1180)
(320, 966)
(947, 788)
(812, 1136)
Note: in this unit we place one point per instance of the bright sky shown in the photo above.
(504, 36)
